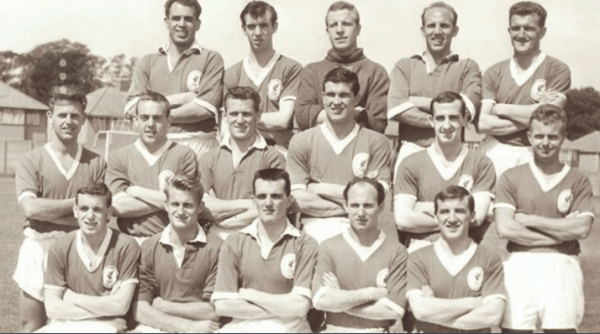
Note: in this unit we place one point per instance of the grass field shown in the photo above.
(11, 223)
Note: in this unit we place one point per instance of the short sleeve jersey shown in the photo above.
(279, 82)
(134, 165)
(482, 276)
(382, 265)
(422, 175)
(411, 77)
(199, 70)
(502, 85)
(40, 174)
(315, 155)
(67, 270)
(193, 281)
(524, 189)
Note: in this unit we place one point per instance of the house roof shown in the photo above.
(106, 102)
(13, 98)
(587, 143)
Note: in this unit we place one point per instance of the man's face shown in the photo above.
(152, 124)
(454, 217)
(343, 31)
(241, 118)
(339, 102)
(66, 120)
(362, 207)
(182, 24)
(271, 201)
(182, 208)
(438, 31)
(525, 34)
(92, 215)
(448, 122)
(259, 31)
(546, 140)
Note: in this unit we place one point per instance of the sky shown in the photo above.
(390, 29)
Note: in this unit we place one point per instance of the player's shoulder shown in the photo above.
(577, 175)
(212, 239)
(122, 152)
(416, 159)
(212, 54)
(305, 136)
(394, 245)
(479, 158)
(516, 172)
(372, 135)
(306, 241)
(422, 253)
(89, 155)
(272, 155)
(489, 254)
(555, 63)
(65, 241)
(374, 66)
(288, 62)
(180, 149)
(33, 157)
(124, 241)
(495, 69)
(233, 71)
(333, 244)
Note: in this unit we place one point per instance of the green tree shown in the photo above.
(583, 112)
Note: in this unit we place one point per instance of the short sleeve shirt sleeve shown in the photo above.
(417, 275)
(396, 281)
(298, 161)
(485, 178)
(292, 82)
(494, 283)
(226, 286)
(305, 265)
(27, 177)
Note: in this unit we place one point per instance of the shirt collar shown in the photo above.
(165, 237)
(451, 57)
(83, 244)
(363, 252)
(163, 49)
(151, 158)
(259, 143)
(338, 145)
(252, 229)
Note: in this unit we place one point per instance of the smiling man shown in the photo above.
(227, 171)
(455, 285)
(322, 160)
(190, 76)
(183, 253)
(47, 180)
(360, 277)
(273, 76)
(138, 173)
(415, 81)
(265, 269)
(92, 272)
(343, 27)
(514, 88)
(543, 208)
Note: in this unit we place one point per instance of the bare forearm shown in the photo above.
(565, 229)
(485, 316)
(520, 234)
(152, 197)
(240, 309)
(279, 120)
(421, 102)
(239, 221)
(59, 309)
(191, 311)
(46, 209)
(496, 126)
(337, 300)
(313, 205)
(281, 305)
(414, 221)
(129, 207)
(190, 113)
(441, 310)
(110, 305)
(374, 311)
(415, 117)
(515, 112)
(329, 191)
(222, 209)
(150, 316)
(68, 220)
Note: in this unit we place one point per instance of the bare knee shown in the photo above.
(32, 315)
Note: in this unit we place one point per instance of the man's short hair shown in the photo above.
(155, 97)
(69, 93)
(440, 4)
(186, 183)
(242, 93)
(378, 186)
(343, 75)
(550, 114)
(188, 3)
(449, 97)
(95, 189)
(341, 5)
(525, 8)
(273, 174)
(257, 9)
(454, 192)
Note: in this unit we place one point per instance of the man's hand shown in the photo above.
(203, 326)
(115, 288)
(177, 100)
(427, 291)
(550, 97)
(330, 281)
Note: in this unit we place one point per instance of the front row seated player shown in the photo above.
(455, 285)
(360, 276)
(92, 272)
(178, 267)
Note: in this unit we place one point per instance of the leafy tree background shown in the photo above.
(583, 112)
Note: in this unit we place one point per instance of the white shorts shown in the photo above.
(84, 326)
(141, 328)
(505, 156)
(322, 229)
(200, 142)
(338, 329)
(270, 325)
(32, 262)
(406, 150)
(545, 291)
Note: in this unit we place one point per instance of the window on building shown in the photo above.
(12, 116)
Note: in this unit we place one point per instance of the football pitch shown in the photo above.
(11, 222)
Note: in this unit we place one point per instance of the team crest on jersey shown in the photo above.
(110, 276)
(359, 164)
(475, 278)
(382, 277)
(275, 87)
(466, 181)
(193, 80)
(288, 265)
(164, 178)
(565, 199)
(537, 89)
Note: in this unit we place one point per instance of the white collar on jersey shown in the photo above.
(363, 252)
(258, 78)
(259, 144)
(179, 254)
(254, 231)
(338, 145)
(451, 170)
(454, 263)
(544, 183)
(451, 57)
(68, 174)
(164, 49)
(151, 158)
(520, 78)
(82, 245)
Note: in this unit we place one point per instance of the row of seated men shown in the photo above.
(542, 207)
